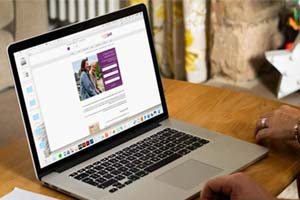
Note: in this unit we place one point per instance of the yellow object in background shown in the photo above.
(195, 40)
(293, 24)
(179, 33)
(133, 2)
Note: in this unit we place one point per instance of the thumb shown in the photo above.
(263, 134)
(216, 188)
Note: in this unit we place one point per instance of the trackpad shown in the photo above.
(188, 174)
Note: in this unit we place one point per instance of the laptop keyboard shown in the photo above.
(114, 172)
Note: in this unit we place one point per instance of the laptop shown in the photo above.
(96, 118)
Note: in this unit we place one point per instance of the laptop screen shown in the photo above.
(88, 86)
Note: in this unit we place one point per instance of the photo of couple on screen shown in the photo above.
(88, 77)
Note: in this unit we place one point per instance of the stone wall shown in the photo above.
(240, 32)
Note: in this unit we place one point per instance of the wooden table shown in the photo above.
(225, 111)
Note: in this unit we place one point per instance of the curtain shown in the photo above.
(179, 31)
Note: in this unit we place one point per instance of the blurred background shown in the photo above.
(215, 42)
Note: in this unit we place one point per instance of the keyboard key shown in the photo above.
(89, 167)
(120, 177)
(116, 172)
(128, 182)
(97, 163)
(113, 160)
(130, 165)
(174, 149)
(120, 186)
(163, 148)
(197, 144)
(133, 146)
(181, 146)
(163, 155)
(111, 156)
(100, 180)
(123, 169)
(74, 174)
(90, 171)
(117, 184)
(89, 181)
(117, 165)
(109, 169)
(131, 158)
(173, 131)
(191, 147)
(94, 176)
(158, 145)
(138, 155)
(178, 134)
(150, 155)
(157, 151)
(141, 173)
(124, 162)
(99, 167)
(151, 148)
(187, 142)
(137, 162)
(155, 159)
(81, 170)
(126, 154)
(148, 162)
(113, 190)
(144, 158)
(176, 141)
(132, 151)
(154, 141)
(107, 183)
(143, 145)
(166, 140)
(105, 164)
(134, 170)
(162, 163)
(184, 138)
(102, 172)
(168, 152)
(184, 151)
(108, 176)
(81, 176)
(204, 141)
(120, 157)
(127, 173)
(133, 177)
(142, 166)
(170, 145)
(166, 134)
(145, 151)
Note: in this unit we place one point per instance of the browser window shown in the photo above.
(86, 87)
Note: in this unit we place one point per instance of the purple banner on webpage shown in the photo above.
(110, 70)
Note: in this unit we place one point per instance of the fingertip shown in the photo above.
(258, 138)
(263, 134)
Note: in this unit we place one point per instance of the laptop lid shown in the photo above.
(88, 87)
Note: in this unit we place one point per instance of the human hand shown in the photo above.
(279, 124)
(234, 187)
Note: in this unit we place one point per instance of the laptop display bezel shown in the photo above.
(110, 142)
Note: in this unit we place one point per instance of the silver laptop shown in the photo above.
(96, 118)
